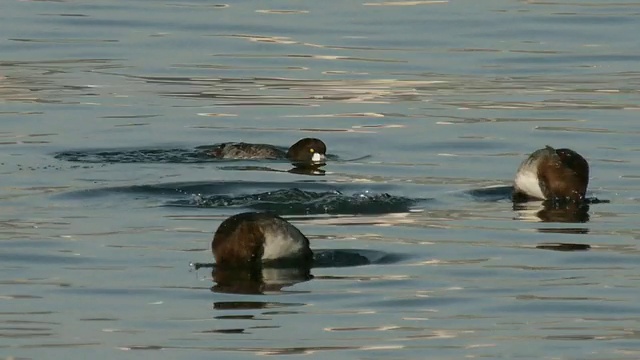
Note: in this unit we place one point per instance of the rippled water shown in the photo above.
(427, 108)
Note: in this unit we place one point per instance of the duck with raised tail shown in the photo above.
(252, 239)
(552, 174)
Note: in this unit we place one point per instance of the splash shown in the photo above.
(300, 202)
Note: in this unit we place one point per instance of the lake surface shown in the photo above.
(422, 104)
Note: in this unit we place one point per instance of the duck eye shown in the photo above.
(311, 150)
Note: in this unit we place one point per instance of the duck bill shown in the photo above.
(318, 158)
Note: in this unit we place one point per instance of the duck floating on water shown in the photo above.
(252, 239)
(304, 151)
(552, 174)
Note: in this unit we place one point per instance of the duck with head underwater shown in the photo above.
(557, 175)
(251, 239)
(257, 252)
(260, 251)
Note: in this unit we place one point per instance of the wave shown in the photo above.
(137, 156)
(296, 202)
(292, 198)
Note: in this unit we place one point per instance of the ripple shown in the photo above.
(296, 201)
(284, 198)
(136, 156)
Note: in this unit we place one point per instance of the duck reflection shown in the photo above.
(247, 305)
(570, 212)
(548, 212)
(563, 247)
(257, 280)
(312, 170)
(263, 279)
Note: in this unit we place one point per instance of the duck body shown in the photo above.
(307, 150)
(552, 174)
(255, 238)
(243, 150)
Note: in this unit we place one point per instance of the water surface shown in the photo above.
(422, 103)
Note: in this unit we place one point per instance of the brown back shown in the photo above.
(238, 241)
(565, 176)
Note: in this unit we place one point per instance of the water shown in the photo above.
(421, 104)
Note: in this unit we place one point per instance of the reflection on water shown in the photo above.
(443, 96)
(257, 281)
(248, 305)
(542, 211)
(557, 212)
(300, 170)
(563, 247)
(269, 279)
(545, 211)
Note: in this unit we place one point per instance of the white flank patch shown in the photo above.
(317, 157)
(527, 182)
(279, 245)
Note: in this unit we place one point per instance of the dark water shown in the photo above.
(427, 108)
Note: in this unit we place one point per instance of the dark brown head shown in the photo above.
(565, 176)
(307, 151)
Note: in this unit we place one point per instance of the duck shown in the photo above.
(256, 239)
(307, 151)
(552, 174)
